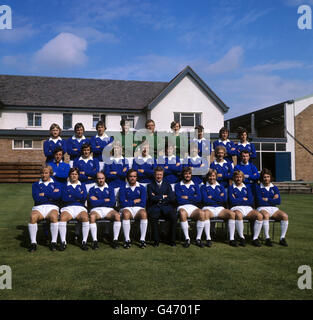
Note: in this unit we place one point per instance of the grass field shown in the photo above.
(220, 272)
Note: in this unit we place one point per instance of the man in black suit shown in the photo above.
(161, 202)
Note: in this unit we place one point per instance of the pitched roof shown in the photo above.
(77, 93)
(188, 71)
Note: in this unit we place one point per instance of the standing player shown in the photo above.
(46, 194)
(133, 197)
(214, 199)
(225, 142)
(74, 144)
(87, 166)
(102, 201)
(241, 202)
(244, 144)
(74, 196)
(268, 197)
(99, 142)
(53, 142)
(144, 164)
(204, 145)
(188, 197)
(223, 167)
(60, 168)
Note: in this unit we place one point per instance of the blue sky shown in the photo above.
(250, 52)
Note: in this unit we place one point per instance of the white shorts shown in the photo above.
(270, 210)
(243, 209)
(101, 165)
(102, 211)
(189, 208)
(44, 209)
(71, 163)
(133, 210)
(215, 210)
(74, 211)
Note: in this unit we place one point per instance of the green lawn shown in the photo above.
(220, 272)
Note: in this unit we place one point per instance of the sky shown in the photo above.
(251, 53)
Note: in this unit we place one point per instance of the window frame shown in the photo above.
(183, 114)
(132, 116)
(23, 144)
(71, 114)
(35, 115)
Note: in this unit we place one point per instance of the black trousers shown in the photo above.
(162, 212)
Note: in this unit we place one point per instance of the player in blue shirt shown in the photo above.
(268, 198)
(99, 142)
(102, 200)
(241, 202)
(60, 168)
(53, 142)
(223, 167)
(188, 197)
(171, 164)
(214, 198)
(46, 193)
(244, 144)
(144, 165)
(74, 196)
(74, 144)
(204, 145)
(133, 197)
(225, 142)
(249, 170)
(87, 166)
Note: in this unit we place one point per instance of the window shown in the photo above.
(188, 119)
(280, 147)
(33, 119)
(67, 121)
(96, 118)
(130, 119)
(27, 144)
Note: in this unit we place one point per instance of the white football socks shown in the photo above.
(207, 226)
(184, 227)
(200, 227)
(54, 228)
(283, 228)
(32, 228)
(231, 228)
(257, 229)
(126, 229)
(266, 228)
(116, 229)
(62, 231)
(143, 229)
(85, 229)
(93, 231)
(239, 228)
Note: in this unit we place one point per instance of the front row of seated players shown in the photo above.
(198, 204)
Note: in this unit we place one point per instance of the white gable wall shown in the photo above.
(187, 96)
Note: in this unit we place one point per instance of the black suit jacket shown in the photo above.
(155, 194)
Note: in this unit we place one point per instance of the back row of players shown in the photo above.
(197, 198)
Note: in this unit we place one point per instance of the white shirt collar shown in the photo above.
(46, 182)
(243, 144)
(268, 187)
(195, 158)
(171, 157)
(55, 140)
(244, 164)
(117, 159)
(104, 136)
(223, 141)
(239, 188)
(59, 161)
(145, 159)
(187, 185)
(86, 160)
(78, 139)
(212, 185)
(220, 163)
(132, 187)
(101, 188)
(73, 184)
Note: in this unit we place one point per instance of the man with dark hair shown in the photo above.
(161, 199)
(60, 168)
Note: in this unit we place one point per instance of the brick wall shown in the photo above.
(9, 155)
(304, 133)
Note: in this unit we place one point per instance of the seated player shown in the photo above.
(171, 165)
(161, 200)
(214, 198)
(46, 194)
(74, 144)
(188, 197)
(99, 142)
(244, 144)
(74, 196)
(225, 142)
(116, 171)
(102, 200)
(241, 201)
(60, 168)
(133, 197)
(249, 170)
(223, 167)
(144, 165)
(268, 197)
(87, 166)
(197, 164)
(53, 142)
(204, 145)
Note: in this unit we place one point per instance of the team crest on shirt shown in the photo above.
(245, 192)
(138, 191)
